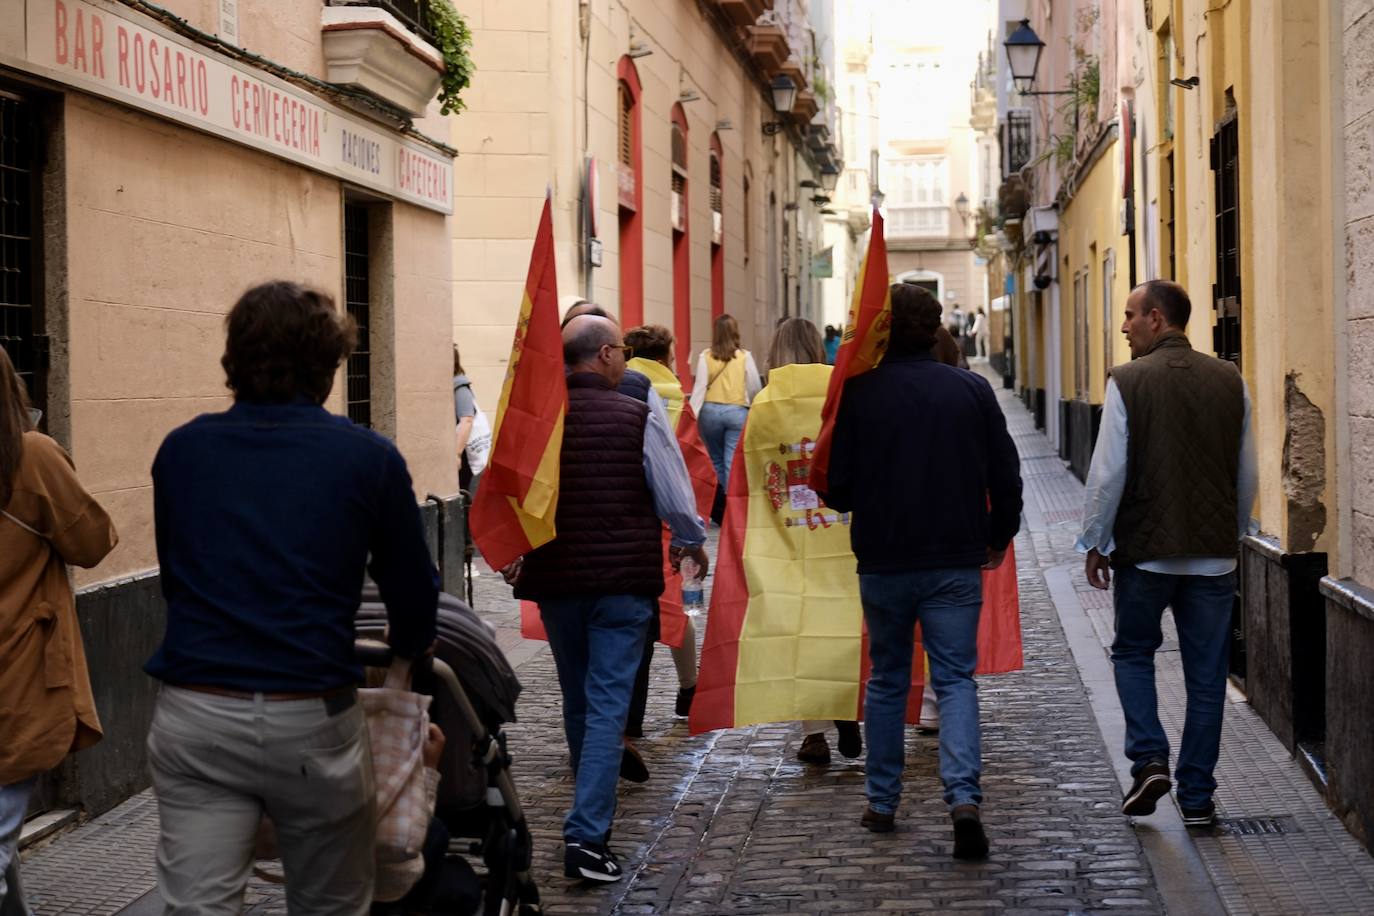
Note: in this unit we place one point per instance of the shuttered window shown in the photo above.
(627, 128)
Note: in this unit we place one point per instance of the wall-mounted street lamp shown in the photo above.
(830, 176)
(1023, 54)
(961, 206)
(784, 92)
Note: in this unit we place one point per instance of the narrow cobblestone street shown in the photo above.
(732, 823)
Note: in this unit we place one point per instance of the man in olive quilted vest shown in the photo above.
(596, 583)
(1169, 494)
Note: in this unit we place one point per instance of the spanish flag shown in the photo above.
(513, 512)
(785, 638)
(864, 343)
(672, 620)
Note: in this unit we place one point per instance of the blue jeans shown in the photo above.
(946, 603)
(596, 643)
(721, 426)
(1202, 614)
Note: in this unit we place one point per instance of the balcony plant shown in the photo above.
(454, 41)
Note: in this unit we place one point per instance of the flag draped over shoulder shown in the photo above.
(865, 341)
(514, 510)
(785, 638)
(672, 620)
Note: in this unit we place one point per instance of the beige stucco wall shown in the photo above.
(1357, 336)
(529, 125)
(165, 228)
(963, 280)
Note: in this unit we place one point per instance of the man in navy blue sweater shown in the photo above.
(922, 457)
(267, 515)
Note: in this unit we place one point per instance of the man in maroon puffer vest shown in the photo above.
(620, 472)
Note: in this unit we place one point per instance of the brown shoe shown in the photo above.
(814, 750)
(877, 821)
(970, 842)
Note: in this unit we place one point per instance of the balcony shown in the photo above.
(768, 47)
(744, 12)
(793, 68)
(804, 108)
(918, 221)
(383, 48)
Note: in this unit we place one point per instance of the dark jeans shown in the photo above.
(1202, 614)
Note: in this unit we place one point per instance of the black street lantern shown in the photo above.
(1023, 54)
(961, 206)
(830, 176)
(784, 94)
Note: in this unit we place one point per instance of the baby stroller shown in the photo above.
(474, 691)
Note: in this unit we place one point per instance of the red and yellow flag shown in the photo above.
(513, 512)
(785, 637)
(864, 343)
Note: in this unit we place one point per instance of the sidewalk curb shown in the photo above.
(1181, 877)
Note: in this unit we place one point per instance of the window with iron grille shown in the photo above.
(20, 301)
(413, 14)
(627, 130)
(357, 299)
(748, 220)
(1169, 222)
(1226, 293)
(1016, 148)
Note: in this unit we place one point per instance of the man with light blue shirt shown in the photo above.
(1172, 481)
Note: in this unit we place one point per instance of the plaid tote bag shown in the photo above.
(397, 722)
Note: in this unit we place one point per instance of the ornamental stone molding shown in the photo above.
(368, 48)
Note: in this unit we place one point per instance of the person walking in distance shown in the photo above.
(981, 333)
(47, 521)
(896, 478)
(267, 517)
(726, 382)
(1169, 492)
(620, 472)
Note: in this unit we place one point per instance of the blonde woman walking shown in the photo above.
(726, 382)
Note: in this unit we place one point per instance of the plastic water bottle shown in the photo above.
(693, 588)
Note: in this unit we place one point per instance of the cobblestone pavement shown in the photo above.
(732, 823)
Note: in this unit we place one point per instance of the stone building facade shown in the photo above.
(651, 123)
(153, 170)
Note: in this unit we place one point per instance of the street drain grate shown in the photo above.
(1257, 826)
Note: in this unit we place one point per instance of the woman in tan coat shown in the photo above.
(47, 520)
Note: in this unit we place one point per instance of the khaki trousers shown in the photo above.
(219, 764)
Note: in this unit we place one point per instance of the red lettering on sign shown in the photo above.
(234, 99)
(167, 74)
(138, 62)
(181, 80)
(97, 46)
(60, 32)
(79, 44)
(156, 83)
(122, 43)
(203, 87)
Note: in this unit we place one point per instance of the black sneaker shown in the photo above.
(1150, 785)
(590, 862)
(851, 741)
(683, 707)
(970, 842)
(1199, 817)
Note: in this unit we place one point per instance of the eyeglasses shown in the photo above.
(624, 348)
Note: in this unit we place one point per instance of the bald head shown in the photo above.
(592, 343)
(583, 307)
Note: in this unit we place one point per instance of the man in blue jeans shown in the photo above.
(1169, 494)
(922, 457)
(595, 583)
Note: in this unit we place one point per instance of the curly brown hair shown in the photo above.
(285, 341)
(915, 318)
(652, 341)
